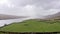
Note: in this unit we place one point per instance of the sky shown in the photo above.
(32, 8)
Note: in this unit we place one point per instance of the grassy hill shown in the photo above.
(33, 25)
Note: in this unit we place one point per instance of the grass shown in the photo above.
(33, 25)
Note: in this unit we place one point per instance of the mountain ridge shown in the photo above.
(54, 16)
(3, 17)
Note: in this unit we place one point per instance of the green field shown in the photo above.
(33, 25)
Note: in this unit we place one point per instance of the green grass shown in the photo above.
(33, 26)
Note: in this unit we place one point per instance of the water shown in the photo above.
(3, 22)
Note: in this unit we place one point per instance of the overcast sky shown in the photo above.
(32, 8)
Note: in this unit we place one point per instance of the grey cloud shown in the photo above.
(31, 7)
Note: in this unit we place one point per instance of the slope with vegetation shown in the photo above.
(33, 25)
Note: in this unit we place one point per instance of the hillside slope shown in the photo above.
(54, 16)
(33, 26)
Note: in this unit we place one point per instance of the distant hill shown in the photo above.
(54, 16)
(3, 17)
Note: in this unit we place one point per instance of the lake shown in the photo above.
(9, 21)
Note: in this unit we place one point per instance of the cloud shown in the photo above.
(33, 8)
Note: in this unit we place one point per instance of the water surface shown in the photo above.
(9, 21)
